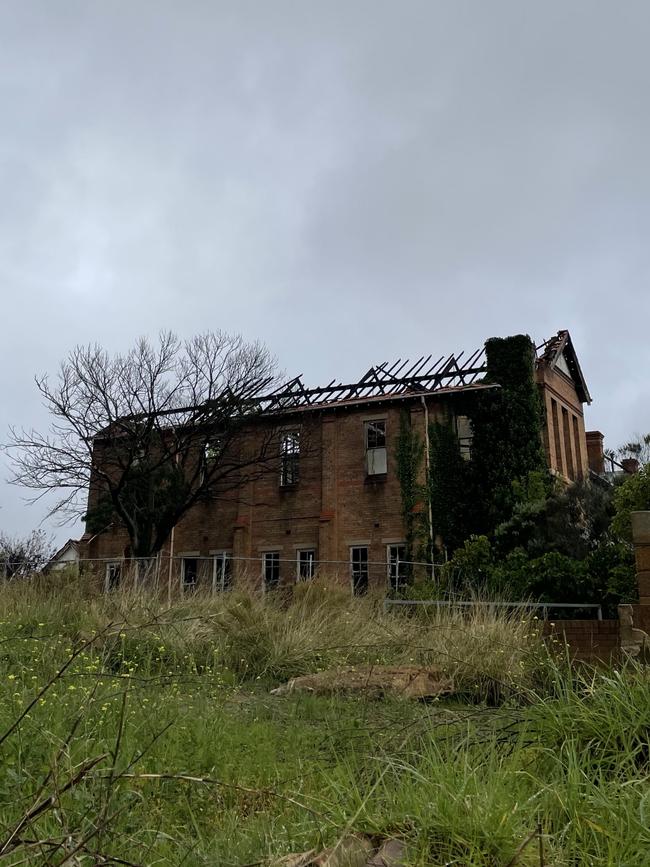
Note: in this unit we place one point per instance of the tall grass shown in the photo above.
(195, 762)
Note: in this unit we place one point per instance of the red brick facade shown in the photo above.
(336, 506)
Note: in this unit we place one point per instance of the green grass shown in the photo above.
(197, 764)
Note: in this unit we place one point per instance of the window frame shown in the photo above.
(289, 458)
(110, 583)
(371, 451)
(274, 558)
(189, 586)
(311, 564)
(361, 571)
(390, 563)
(221, 571)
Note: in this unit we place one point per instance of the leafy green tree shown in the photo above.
(633, 495)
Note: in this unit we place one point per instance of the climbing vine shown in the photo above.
(449, 487)
(475, 496)
(410, 456)
(507, 425)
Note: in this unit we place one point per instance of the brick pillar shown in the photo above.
(641, 539)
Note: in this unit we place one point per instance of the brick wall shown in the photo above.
(589, 640)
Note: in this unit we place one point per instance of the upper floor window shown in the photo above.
(289, 458)
(376, 457)
(465, 436)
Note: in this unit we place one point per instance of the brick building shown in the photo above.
(335, 505)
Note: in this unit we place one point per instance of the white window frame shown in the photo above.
(312, 564)
(219, 561)
(390, 562)
(189, 555)
(365, 548)
(267, 555)
(375, 455)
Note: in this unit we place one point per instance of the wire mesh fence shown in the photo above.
(394, 578)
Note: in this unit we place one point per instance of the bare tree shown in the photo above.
(20, 557)
(150, 433)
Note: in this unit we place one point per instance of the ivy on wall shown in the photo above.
(409, 459)
(449, 487)
(466, 497)
(507, 427)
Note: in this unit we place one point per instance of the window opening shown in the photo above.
(306, 564)
(222, 571)
(359, 570)
(376, 457)
(271, 569)
(289, 458)
(397, 567)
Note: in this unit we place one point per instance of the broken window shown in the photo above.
(113, 575)
(271, 569)
(306, 564)
(465, 436)
(397, 566)
(190, 566)
(222, 571)
(376, 458)
(289, 458)
(359, 569)
(211, 451)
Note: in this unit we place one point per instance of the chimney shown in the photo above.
(630, 466)
(595, 455)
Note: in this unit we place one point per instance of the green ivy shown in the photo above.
(449, 486)
(409, 458)
(507, 424)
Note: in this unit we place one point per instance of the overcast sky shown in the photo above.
(348, 181)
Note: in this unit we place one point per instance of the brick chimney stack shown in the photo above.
(595, 453)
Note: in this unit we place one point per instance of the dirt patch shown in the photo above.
(374, 681)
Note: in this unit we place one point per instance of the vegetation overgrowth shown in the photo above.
(138, 733)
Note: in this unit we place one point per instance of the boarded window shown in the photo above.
(359, 570)
(289, 458)
(376, 457)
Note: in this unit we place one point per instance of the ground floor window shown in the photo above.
(398, 568)
(113, 575)
(222, 571)
(190, 572)
(271, 569)
(359, 569)
(306, 564)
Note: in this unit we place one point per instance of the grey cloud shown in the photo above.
(349, 182)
